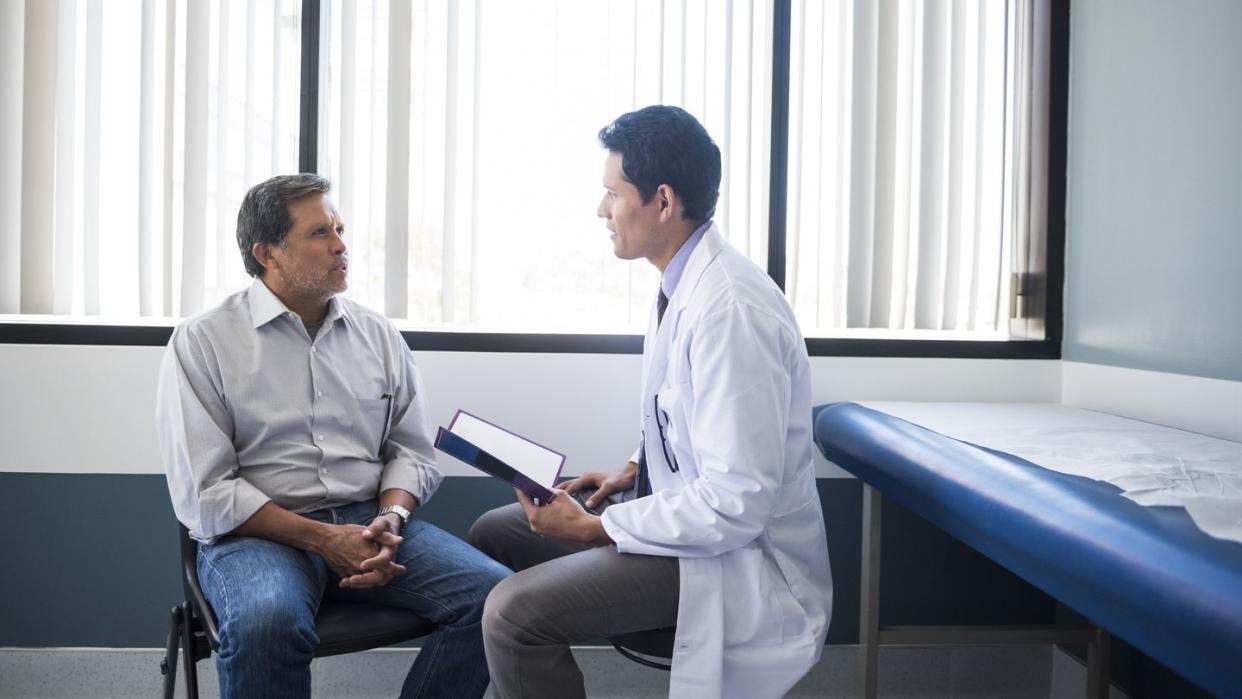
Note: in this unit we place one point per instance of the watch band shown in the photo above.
(398, 510)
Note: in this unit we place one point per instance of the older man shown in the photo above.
(294, 438)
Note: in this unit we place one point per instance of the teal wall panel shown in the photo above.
(1154, 236)
(92, 560)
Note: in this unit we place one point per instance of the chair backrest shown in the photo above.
(194, 592)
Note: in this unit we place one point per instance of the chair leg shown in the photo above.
(168, 666)
(187, 642)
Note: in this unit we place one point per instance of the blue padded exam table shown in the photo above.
(1147, 574)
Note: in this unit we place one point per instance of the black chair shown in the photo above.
(342, 627)
(645, 647)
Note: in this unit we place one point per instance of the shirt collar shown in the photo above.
(266, 306)
(677, 265)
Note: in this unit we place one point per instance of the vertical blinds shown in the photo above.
(462, 137)
(140, 125)
(915, 139)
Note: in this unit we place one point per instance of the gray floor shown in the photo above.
(1016, 672)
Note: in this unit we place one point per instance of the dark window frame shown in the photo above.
(449, 341)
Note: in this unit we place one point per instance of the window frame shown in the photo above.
(581, 343)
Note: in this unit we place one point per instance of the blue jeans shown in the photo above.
(265, 596)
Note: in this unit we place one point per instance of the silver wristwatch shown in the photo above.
(398, 510)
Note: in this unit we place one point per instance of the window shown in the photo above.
(462, 138)
(906, 164)
(909, 161)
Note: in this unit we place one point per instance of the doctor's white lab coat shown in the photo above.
(726, 395)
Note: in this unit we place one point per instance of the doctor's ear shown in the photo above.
(666, 198)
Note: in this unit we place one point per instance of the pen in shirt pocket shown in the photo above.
(387, 425)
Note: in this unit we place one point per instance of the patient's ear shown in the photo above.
(263, 253)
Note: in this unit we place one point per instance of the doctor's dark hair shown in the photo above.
(666, 145)
(264, 216)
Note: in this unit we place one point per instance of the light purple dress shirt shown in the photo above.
(677, 265)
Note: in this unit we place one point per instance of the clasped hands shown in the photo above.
(364, 556)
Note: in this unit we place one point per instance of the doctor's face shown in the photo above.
(632, 223)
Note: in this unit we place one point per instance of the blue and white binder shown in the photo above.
(526, 465)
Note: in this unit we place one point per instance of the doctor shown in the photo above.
(714, 525)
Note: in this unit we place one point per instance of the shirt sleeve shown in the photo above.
(195, 433)
(741, 377)
(409, 457)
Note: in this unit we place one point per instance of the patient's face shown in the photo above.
(312, 263)
(632, 223)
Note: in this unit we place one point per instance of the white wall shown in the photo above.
(89, 409)
(1208, 406)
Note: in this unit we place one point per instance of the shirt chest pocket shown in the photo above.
(371, 418)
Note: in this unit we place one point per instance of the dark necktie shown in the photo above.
(644, 480)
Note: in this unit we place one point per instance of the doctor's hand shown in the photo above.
(380, 569)
(564, 518)
(604, 483)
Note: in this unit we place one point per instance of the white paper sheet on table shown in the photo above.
(1151, 464)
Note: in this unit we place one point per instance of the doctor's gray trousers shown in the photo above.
(562, 594)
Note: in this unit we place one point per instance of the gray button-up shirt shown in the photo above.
(250, 409)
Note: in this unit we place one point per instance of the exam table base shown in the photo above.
(872, 635)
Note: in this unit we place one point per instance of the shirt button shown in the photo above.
(321, 438)
(312, 349)
(319, 393)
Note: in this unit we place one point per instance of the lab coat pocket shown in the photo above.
(670, 422)
(753, 614)
(371, 424)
